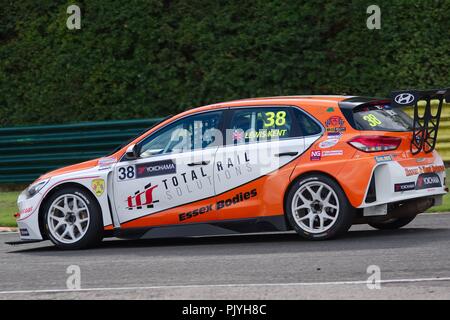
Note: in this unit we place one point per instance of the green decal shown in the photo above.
(372, 119)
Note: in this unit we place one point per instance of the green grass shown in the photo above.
(8, 207)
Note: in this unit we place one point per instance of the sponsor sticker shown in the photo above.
(240, 197)
(156, 168)
(385, 158)
(23, 213)
(332, 153)
(142, 199)
(328, 143)
(316, 155)
(428, 180)
(335, 124)
(219, 205)
(98, 186)
(336, 135)
(106, 163)
(196, 212)
(423, 169)
(26, 210)
(408, 186)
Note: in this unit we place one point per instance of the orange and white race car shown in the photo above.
(313, 164)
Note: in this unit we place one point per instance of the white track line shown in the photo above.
(304, 284)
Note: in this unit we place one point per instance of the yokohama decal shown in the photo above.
(428, 180)
(156, 168)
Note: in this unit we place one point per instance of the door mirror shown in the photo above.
(132, 152)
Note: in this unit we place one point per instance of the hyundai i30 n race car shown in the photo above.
(313, 164)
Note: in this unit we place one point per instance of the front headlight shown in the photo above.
(36, 187)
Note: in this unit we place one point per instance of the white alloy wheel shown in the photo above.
(315, 207)
(68, 218)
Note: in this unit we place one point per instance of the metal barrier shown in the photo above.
(28, 152)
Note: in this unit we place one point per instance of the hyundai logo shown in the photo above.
(404, 98)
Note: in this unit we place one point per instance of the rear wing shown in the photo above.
(426, 123)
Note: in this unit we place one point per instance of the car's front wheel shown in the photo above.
(73, 219)
(318, 209)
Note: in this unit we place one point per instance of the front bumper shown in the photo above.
(28, 217)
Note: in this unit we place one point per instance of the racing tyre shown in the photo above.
(318, 209)
(391, 224)
(72, 219)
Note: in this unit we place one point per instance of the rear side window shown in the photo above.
(308, 127)
(381, 118)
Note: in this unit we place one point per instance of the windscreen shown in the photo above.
(381, 118)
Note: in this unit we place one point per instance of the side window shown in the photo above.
(191, 133)
(308, 127)
(261, 124)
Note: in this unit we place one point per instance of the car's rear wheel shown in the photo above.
(318, 209)
(72, 219)
(392, 224)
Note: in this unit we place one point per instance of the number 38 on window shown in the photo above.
(372, 120)
(275, 119)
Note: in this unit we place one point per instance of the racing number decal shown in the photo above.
(126, 173)
(372, 120)
(278, 119)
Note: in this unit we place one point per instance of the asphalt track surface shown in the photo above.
(414, 264)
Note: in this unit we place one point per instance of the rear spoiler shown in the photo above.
(425, 125)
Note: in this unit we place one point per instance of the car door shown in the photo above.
(174, 169)
(251, 170)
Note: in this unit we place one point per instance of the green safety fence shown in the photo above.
(28, 152)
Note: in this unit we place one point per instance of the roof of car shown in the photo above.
(284, 98)
(310, 100)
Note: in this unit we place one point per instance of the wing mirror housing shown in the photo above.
(132, 152)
